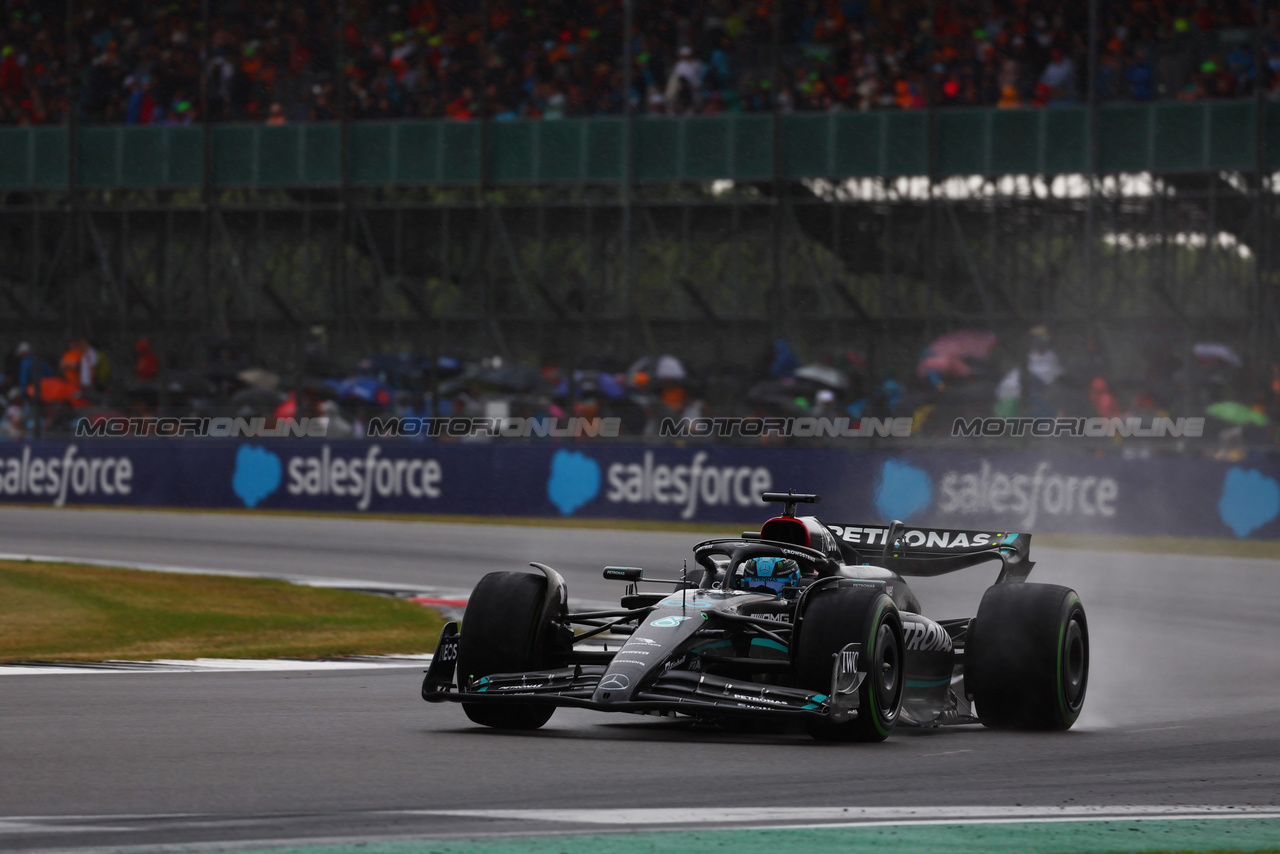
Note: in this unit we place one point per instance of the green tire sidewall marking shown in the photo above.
(871, 683)
(1072, 601)
(918, 683)
(1062, 634)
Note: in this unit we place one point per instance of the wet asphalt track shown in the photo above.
(1182, 705)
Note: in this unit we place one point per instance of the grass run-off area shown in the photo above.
(66, 612)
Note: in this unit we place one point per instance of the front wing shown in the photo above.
(681, 691)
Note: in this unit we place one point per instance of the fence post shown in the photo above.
(628, 166)
(775, 86)
(1261, 181)
(1091, 69)
(206, 171)
(340, 102)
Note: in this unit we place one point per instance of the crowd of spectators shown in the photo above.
(277, 61)
(963, 374)
(860, 55)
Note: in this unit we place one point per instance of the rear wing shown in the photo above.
(908, 550)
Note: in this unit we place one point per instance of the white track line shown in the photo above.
(944, 822)
(607, 820)
(858, 816)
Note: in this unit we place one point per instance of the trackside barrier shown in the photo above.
(1165, 137)
(1016, 491)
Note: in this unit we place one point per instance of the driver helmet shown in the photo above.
(769, 574)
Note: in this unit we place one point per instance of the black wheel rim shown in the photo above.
(888, 663)
(1075, 664)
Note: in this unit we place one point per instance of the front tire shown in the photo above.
(1027, 657)
(833, 618)
(501, 633)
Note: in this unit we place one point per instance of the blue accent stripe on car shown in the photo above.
(711, 645)
(918, 683)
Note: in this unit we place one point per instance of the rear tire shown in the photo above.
(500, 634)
(838, 616)
(1027, 657)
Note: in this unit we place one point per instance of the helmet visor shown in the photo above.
(769, 575)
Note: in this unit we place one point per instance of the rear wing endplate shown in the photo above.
(933, 551)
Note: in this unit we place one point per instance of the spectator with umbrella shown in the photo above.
(955, 355)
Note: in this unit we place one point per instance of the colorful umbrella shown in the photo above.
(943, 366)
(947, 356)
(965, 344)
(1234, 412)
(823, 375)
(362, 389)
(665, 367)
(1221, 352)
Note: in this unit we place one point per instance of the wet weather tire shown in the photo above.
(500, 632)
(837, 616)
(1027, 657)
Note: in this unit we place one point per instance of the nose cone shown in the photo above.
(614, 687)
(662, 633)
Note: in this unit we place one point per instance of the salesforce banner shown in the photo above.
(1014, 492)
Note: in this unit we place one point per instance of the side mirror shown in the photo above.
(623, 573)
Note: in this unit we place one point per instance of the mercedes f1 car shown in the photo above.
(802, 620)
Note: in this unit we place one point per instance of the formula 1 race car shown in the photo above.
(803, 620)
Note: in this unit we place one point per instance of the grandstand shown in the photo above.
(141, 63)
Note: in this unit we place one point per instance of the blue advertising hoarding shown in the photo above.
(1017, 491)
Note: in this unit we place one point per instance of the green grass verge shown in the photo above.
(68, 612)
